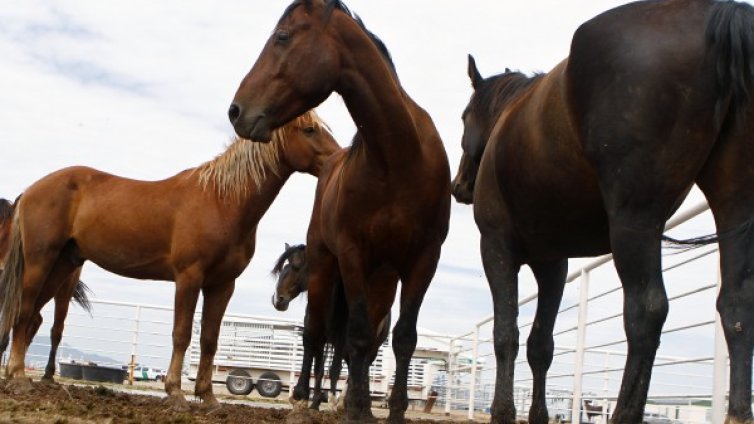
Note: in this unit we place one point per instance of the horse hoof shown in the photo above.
(19, 386)
(366, 417)
(48, 380)
(734, 420)
(210, 405)
(299, 416)
(396, 419)
(177, 403)
(297, 405)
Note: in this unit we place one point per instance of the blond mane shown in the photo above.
(245, 162)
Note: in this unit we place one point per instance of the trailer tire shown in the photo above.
(269, 385)
(239, 382)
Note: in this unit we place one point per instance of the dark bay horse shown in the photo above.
(594, 156)
(72, 289)
(196, 228)
(381, 209)
(292, 271)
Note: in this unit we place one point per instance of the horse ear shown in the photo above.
(287, 246)
(476, 77)
(507, 70)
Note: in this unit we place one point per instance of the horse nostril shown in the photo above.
(234, 112)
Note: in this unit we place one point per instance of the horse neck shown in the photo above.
(258, 199)
(380, 108)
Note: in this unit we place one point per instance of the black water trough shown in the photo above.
(70, 370)
(103, 374)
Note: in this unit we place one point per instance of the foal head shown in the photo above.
(298, 68)
(292, 273)
(491, 95)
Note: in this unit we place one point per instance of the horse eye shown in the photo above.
(282, 36)
(309, 130)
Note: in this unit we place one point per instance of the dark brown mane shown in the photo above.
(6, 209)
(497, 91)
(287, 254)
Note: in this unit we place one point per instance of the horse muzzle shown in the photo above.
(280, 303)
(463, 192)
(252, 126)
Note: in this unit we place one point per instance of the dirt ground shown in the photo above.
(73, 404)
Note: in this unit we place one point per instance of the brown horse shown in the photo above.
(381, 209)
(292, 271)
(196, 228)
(72, 289)
(594, 156)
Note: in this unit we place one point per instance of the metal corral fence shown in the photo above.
(121, 333)
(690, 371)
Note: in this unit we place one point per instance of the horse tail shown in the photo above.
(81, 296)
(11, 285)
(693, 243)
(730, 41)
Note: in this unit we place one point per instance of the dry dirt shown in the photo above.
(63, 403)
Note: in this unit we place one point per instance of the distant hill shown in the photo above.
(39, 351)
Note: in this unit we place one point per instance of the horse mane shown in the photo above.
(330, 6)
(245, 162)
(499, 90)
(284, 257)
(6, 210)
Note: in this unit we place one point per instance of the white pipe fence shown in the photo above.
(588, 359)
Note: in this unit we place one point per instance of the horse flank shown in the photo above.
(246, 163)
(11, 287)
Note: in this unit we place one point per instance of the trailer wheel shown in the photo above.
(239, 382)
(269, 385)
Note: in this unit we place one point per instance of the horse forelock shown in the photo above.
(245, 163)
(284, 257)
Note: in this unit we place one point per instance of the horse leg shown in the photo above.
(335, 368)
(323, 273)
(727, 182)
(413, 288)
(636, 252)
(216, 299)
(540, 346)
(187, 288)
(319, 374)
(62, 302)
(40, 279)
(501, 268)
(358, 338)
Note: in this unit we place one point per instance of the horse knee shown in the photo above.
(404, 340)
(208, 345)
(505, 340)
(539, 349)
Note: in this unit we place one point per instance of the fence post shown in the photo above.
(474, 355)
(580, 340)
(720, 367)
(134, 346)
(449, 376)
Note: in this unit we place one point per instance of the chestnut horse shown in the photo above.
(292, 271)
(594, 156)
(381, 210)
(196, 228)
(72, 289)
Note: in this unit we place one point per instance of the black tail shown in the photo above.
(730, 39)
(708, 239)
(81, 296)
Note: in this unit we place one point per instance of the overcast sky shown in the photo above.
(141, 89)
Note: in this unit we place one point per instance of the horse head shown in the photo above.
(307, 143)
(491, 96)
(297, 69)
(292, 274)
